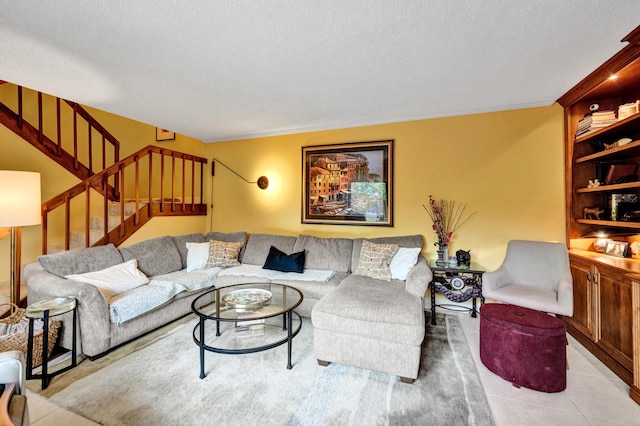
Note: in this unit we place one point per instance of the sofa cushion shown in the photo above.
(332, 254)
(223, 255)
(156, 256)
(229, 237)
(402, 241)
(279, 261)
(115, 279)
(314, 290)
(259, 245)
(181, 244)
(375, 259)
(81, 261)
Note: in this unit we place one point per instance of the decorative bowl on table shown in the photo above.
(247, 298)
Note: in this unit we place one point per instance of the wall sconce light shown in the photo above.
(262, 182)
(20, 205)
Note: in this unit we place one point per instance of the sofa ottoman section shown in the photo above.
(380, 328)
(523, 346)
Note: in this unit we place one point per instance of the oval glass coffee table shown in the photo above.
(246, 318)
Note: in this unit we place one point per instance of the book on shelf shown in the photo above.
(595, 121)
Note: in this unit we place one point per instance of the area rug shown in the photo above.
(159, 385)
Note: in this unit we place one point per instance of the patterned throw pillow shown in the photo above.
(222, 254)
(375, 259)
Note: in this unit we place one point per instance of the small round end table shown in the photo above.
(43, 310)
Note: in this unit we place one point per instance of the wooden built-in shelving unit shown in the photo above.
(606, 318)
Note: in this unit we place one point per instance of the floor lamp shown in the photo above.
(20, 205)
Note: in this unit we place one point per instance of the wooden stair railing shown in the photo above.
(185, 195)
(77, 158)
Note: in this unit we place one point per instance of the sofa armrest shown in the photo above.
(93, 310)
(418, 278)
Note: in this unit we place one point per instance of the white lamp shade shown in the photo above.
(20, 200)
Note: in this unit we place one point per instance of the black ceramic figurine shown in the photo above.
(463, 257)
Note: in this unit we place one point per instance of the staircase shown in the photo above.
(78, 238)
(111, 203)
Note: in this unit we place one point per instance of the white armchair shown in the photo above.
(534, 275)
(13, 410)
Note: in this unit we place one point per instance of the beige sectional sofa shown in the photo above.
(106, 322)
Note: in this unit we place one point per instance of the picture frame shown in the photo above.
(164, 135)
(617, 248)
(348, 183)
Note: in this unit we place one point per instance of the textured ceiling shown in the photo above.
(230, 69)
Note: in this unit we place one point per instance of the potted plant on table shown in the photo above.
(447, 218)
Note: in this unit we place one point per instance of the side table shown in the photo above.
(43, 310)
(458, 283)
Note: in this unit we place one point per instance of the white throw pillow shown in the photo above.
(115, 279)
(402, 262)
(197, 255)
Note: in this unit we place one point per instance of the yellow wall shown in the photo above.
(16, 154)
(506, 166)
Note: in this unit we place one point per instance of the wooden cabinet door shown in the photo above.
(615, 320)
(582, 319)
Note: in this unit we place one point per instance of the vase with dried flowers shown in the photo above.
(447, 217)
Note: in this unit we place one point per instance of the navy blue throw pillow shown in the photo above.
(279, 261)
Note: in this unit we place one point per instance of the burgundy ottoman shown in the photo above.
(523, 346)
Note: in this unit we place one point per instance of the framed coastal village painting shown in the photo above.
(348, 184)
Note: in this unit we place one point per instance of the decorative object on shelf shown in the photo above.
(601, 243)
(592, 213)
(453, 261)
(635, 248)
(621, 173)
(447, 218)
(164, 135)
(618, 249)
(348, 183)
(629, 109)
(464, 257)
(619, 142)
(593, 183)
(621, 203)
(632, 215)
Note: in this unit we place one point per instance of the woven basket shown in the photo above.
(18, 341)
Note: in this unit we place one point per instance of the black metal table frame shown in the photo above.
(198, 331)
(45, 375)
(440, 283)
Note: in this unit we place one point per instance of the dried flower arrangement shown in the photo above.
(447, 218)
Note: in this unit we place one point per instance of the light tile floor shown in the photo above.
(594, 395)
